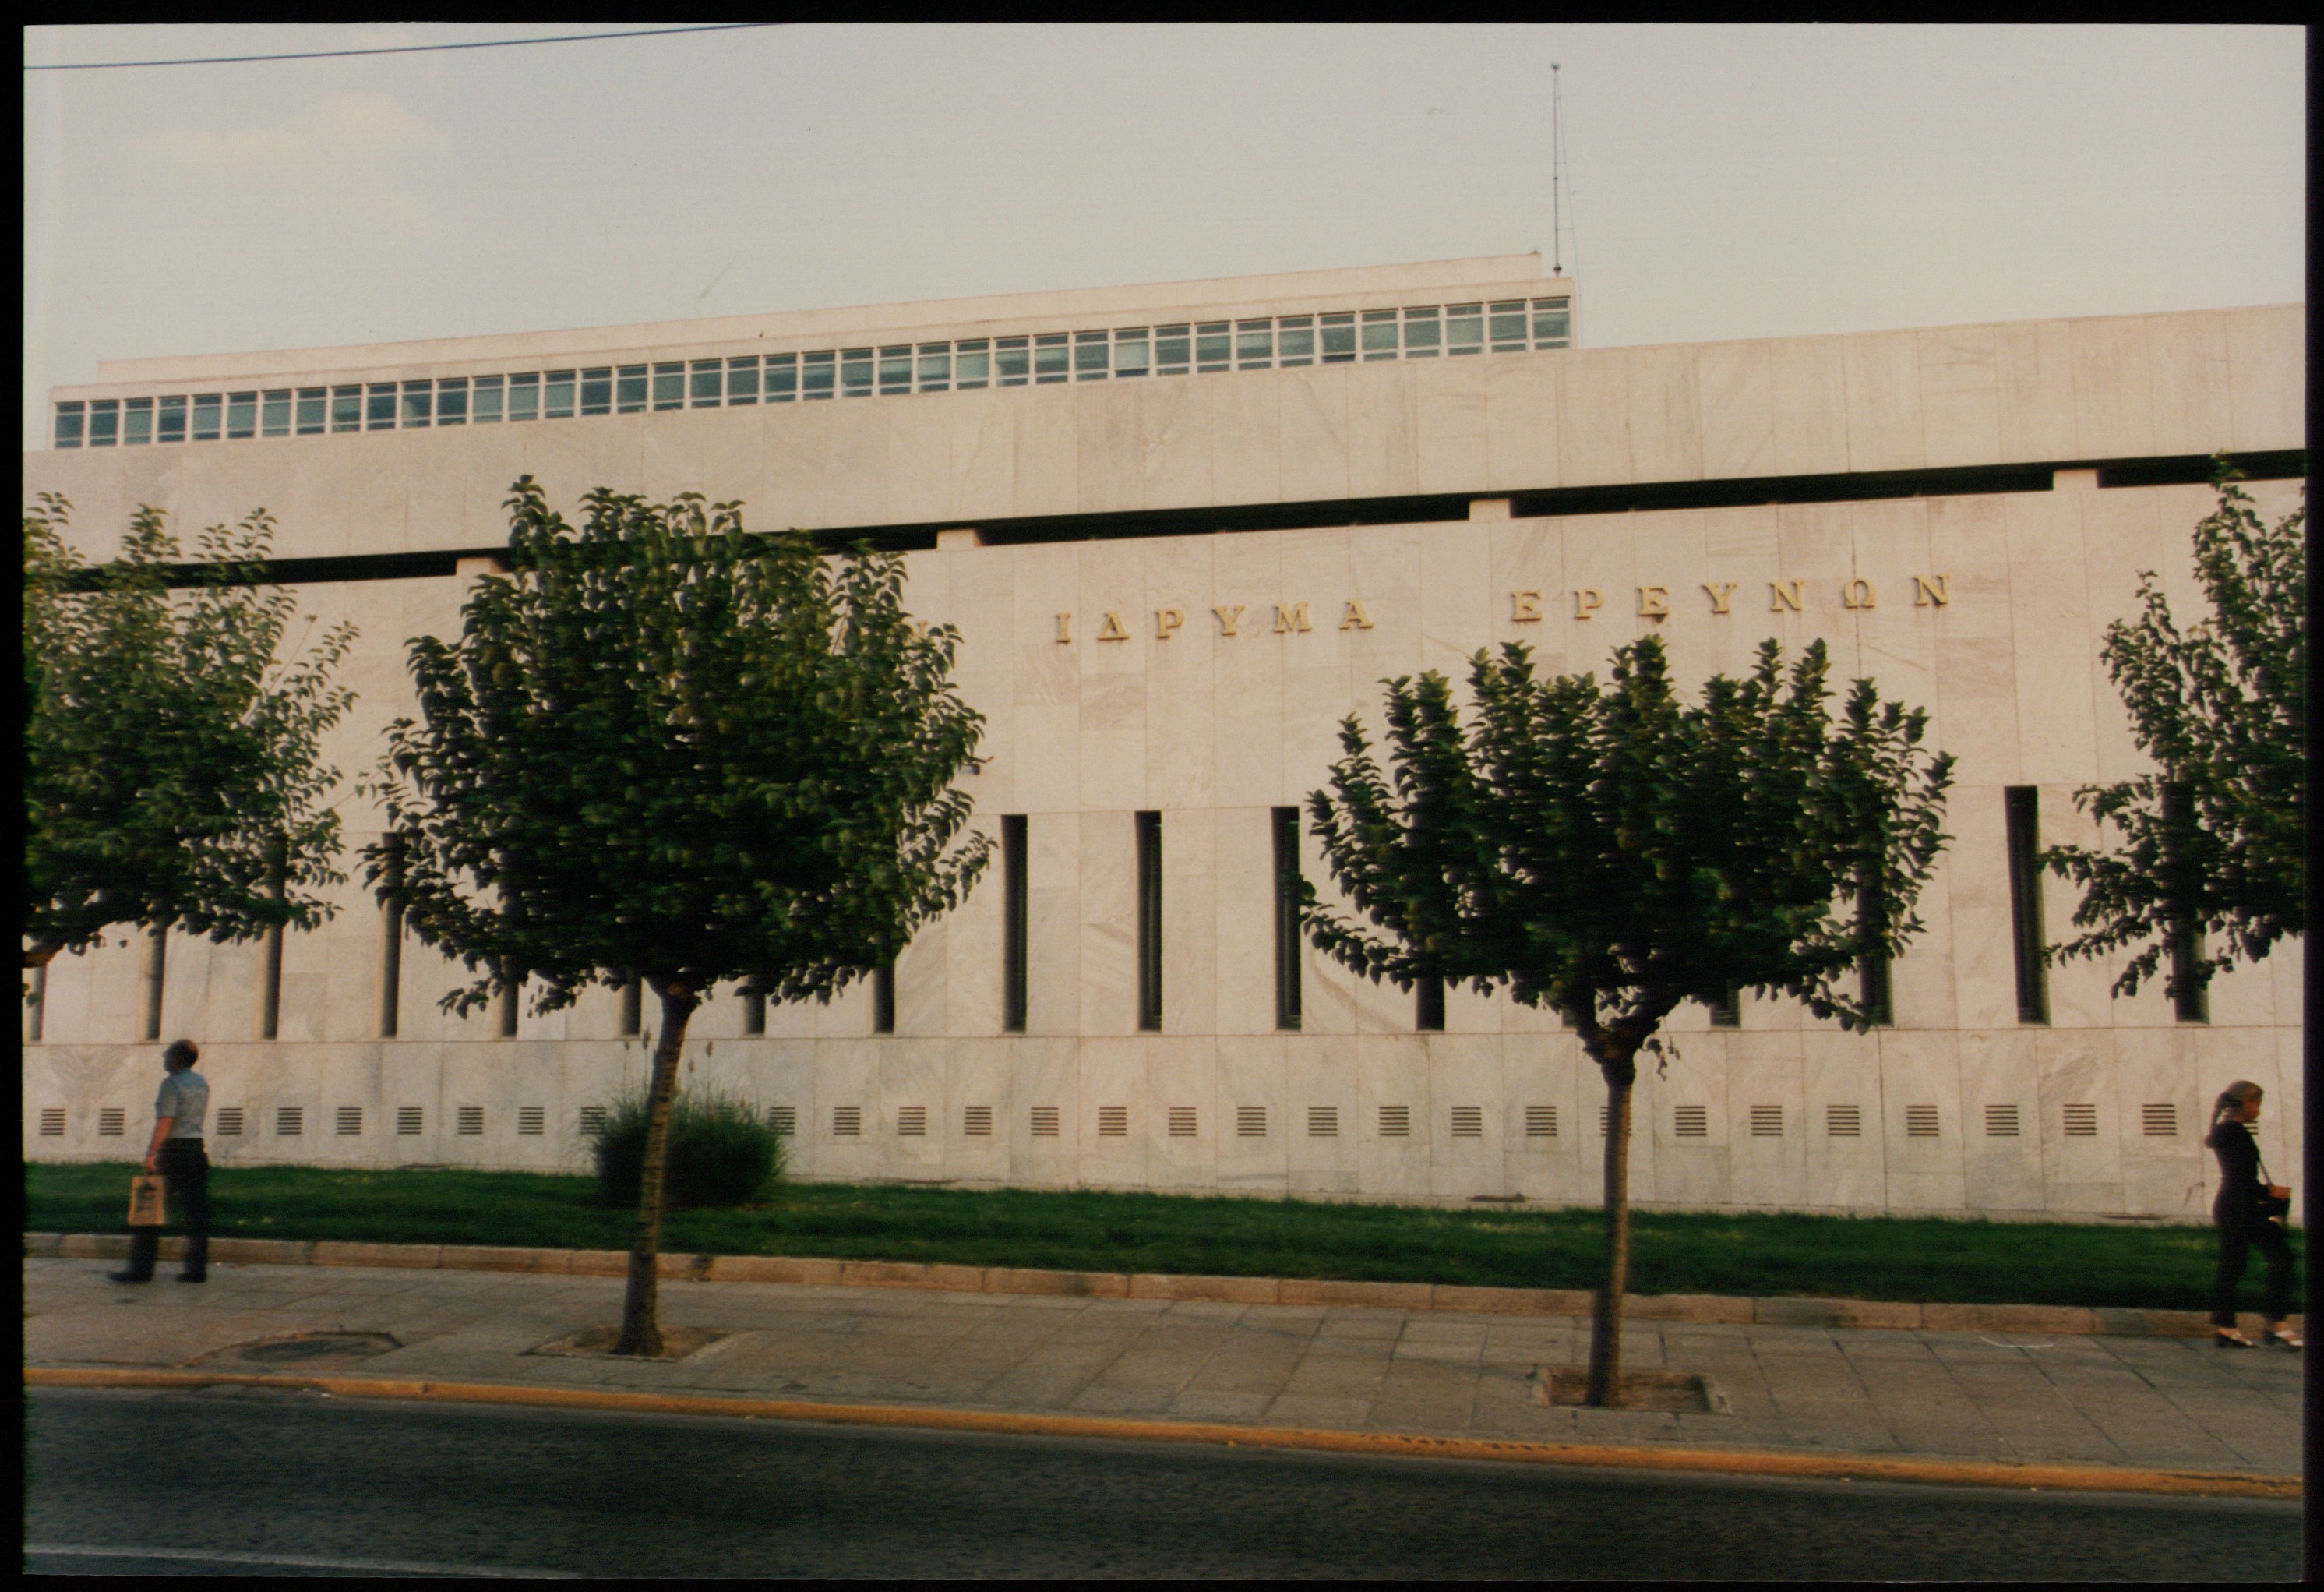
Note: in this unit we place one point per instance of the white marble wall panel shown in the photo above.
(1960, 396)
(1666, 413)
(1053, 928)
(1453, 448)
(1254, 1074)
(1246, 438)
(979, 1072)
(1108, 431)
(1383, 432)
(1392, 1069)
(1179, 1074)
(2268, 395)
(2113, 390)
(1738, 386)
(1522, 422)
(1312, 417)
(1247, 671)
(1842, 1069)
(1923, 1070)
(1811, 406)
(2191, 382)
(1048, 1073)
(1883, 373)
(1593, 415)
(1464, 1071)
(2037, 392)
(1316, 1072)
(1049, 453)
(1109, 922)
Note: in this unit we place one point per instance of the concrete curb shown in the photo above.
(1725, 1461)
(2051, 1320)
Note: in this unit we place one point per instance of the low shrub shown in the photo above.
(720, 1153)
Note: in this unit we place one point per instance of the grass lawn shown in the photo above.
(1858, 1257)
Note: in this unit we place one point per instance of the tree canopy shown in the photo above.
(2212, 842)
(172, 773)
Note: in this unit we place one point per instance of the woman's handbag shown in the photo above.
(2267, 1207)
(145, 1193)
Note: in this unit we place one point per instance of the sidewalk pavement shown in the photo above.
(2121, 1404)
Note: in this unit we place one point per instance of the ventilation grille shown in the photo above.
(912, 1121)
(1843, 1122)
(1112, 1122)
(847, 1122)
(349, 1120)
(1182, 1122)
(1468, 1122)
(1323, 1122)
(532, 1121)
(1767, 1122)
(52, 1121)
(1920, 1122)
(781, 1120)
(111, 1120)
(2160, 1119)
(1541, 1121)
(1692, 1121)
(290, 1121)
(976, 1122)
(1250, 1122)
(2082, 1121)
(471, 1120)
(2001, 1122)
(230, 1121)
(1045, 1121)
(1396, 1122)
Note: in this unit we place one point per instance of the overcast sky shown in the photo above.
(1726, 181)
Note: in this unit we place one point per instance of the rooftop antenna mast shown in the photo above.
(1556, 160)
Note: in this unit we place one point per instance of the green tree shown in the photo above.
(1608, 854)
(172, 762)
(663, 748)
(2211, 844)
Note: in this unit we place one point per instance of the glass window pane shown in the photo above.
(708, 381)
(1093, 355)
(1464, 329)
(855, 372)
(274, 414)
(816, 372)
(1172, 350)
(1254, 344)
(1339, 338)
(524, 397)
(896, 368)
(1423, 335)
(209, 410)
(1211, 344)
(1553, 322)
(70, 418)
(630, 388)
(105, 423)
(312, 407)
(557, 395)
(1011, 361)
(242, 414)
(1379, 334)
(487, 400)
(782, 381)
(169, 423)
(452, 402)
(936, 367)
(972, 364)
(346, 409)
(379, 409)
(597, 390)
(742, 380)
(1295, 340)
(1049, 357)
(418, 402)
(1132, 352)
(1508, 326)
(136, 422)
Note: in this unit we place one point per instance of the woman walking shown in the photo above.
(2250, 1212)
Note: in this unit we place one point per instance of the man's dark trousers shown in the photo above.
(187, 1172)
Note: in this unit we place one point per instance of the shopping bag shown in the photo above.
(145, 1201)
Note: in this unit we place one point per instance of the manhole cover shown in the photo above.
(1685, 1393)
(299, 1347)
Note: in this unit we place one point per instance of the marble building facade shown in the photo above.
(1204, 525)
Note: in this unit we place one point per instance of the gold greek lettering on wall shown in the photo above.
(1720, 592)
(1229, 618)
(1065, 627)
(1113, 630)
(1167, 620)
(1525, 607)
(1931, 591)
(1587, 601)
(1858, 593)
(1785, 594)
(1653, 602)
(1291, 618)
(1356, 618)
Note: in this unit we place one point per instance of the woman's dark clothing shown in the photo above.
(2236, 1210)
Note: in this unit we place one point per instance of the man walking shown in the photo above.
(176, 1153)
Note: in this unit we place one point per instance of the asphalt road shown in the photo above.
(255, 1482)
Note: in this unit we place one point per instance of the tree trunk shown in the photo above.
(1606, 1317)
(640, 1329)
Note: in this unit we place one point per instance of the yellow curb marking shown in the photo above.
(1733, 1461)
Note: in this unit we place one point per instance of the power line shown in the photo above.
(94, 66)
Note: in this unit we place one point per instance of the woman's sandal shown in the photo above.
(2229, 1337)
(2286, 1337)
